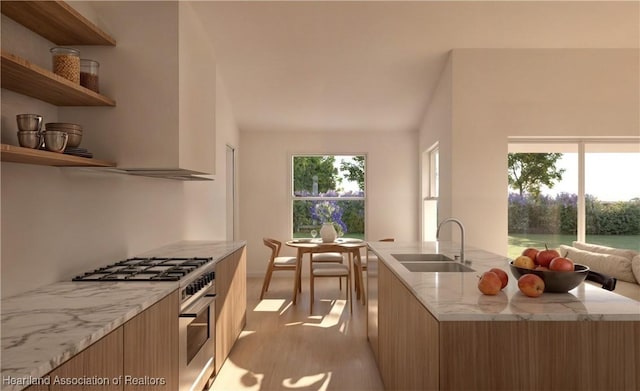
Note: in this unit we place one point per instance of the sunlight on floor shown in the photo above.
(269, 305)
(246, 333)
(276, 353)
(333, 317)
(246, 380)
(320, 380)
(343, 327)
(286, 308)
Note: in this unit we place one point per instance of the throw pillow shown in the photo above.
(595, 248)
(635, 266)
(611, 265)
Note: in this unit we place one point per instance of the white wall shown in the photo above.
(205, 202)
(56, 222)
(392, 184)
(498, 93)
(436, 128)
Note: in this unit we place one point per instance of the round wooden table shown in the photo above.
(311, 246)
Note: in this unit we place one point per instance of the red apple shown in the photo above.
(504, 278)
(524, 261)
(561, 264)
(489, 283)
(531, 285)
(545, 256)
(531, 253)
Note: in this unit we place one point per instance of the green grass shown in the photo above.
(517, 243)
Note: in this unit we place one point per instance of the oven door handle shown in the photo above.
(196, 308)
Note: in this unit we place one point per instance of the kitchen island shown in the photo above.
(47, 327)
(437, 331)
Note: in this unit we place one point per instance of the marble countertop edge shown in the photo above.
(45, 327)
(66, 351)
(455, 296)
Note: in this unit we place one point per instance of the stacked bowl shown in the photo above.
(29, 125)
(74, 132)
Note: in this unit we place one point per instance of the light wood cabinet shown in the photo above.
(151, 347)
(142, 354)
(100, 363)
(231, 303)
(537, 355)
(37, 387)
(408, 345)
(372, 304)
(415, 351)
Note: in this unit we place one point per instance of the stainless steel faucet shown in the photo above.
(452, 220)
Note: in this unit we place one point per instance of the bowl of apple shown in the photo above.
(561, 276)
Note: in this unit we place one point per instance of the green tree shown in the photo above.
(529, 171)
(306, 167)
(355, 170)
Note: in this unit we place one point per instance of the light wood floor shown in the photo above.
(284, 348)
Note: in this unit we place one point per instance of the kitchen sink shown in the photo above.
(421, 258)
(436, 267)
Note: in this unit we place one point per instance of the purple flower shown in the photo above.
(327, 212)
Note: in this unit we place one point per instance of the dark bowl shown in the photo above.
(555, 282)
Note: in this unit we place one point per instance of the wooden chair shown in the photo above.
(331, 257)
(319, 269)
(276, 263)
(359, 268)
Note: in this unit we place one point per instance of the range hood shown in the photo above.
(168, 173)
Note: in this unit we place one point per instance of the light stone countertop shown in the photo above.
(43, 328)
(455, 296)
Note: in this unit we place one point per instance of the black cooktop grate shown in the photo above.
(145, 269)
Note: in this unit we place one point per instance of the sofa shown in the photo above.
(621, 264)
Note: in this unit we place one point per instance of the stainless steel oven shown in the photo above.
(197, 336)
(196, 276)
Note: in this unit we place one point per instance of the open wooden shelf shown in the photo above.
(62, 25)
(57, 22)
(21, 76)
(15, 154)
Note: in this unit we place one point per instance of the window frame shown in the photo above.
(580, 144)
(293, 197)
(430, 192)
(434, 172)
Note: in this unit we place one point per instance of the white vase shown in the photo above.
(328, 233)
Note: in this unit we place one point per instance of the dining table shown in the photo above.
(350, 246)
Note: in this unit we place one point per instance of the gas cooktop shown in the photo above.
(145, 269)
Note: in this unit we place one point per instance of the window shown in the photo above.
(612, 195)
(434, 172)
(430, 192)
(573, 190)
(328, 188)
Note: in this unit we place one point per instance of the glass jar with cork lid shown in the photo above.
(89, 74)
(66, 63)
